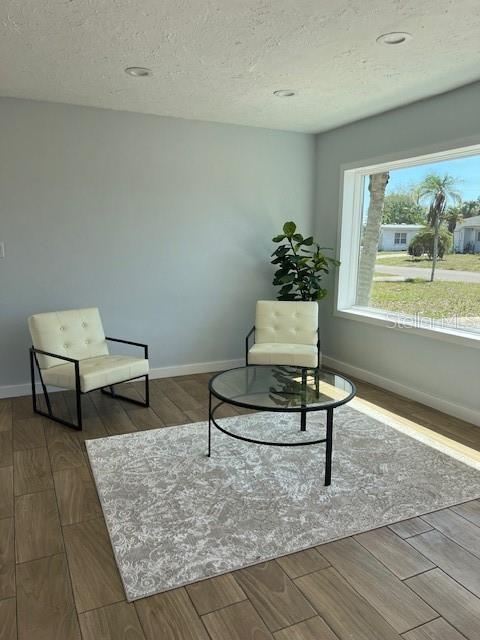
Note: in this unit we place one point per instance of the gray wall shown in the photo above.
(448, 371)
(165, 224)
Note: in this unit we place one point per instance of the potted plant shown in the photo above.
(301, 265)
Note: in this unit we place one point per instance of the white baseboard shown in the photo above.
(451, 408)
(198, 367)
(13, 390)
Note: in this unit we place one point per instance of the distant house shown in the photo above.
(396, 237)
(466, 237)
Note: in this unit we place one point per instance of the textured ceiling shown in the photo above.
(221, 60)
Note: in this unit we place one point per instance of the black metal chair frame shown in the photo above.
(78, 392)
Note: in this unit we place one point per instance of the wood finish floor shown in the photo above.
(417, 580)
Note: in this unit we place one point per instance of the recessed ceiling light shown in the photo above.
(284, 93)
(138, 72)
(394, 38)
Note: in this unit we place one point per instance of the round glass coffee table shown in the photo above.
(280, 389)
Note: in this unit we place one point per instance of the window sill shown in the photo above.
(403, 323)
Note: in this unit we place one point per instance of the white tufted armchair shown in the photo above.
(285, 333)
(70, 351)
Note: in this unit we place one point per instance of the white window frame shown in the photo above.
(400, 237)
(352, 185)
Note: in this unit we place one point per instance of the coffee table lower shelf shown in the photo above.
(327, 440)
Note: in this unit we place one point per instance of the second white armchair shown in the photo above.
(285, 333)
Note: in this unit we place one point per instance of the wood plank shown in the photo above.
(6, 449)
(438, 629)
(237, 622)
(6, 492)
(173, 390)
(228, 411)
(93, 428)
(76, 495)
(8, 619)
(469, 510)
(313, 629)
(5, 414)
(22, 407)
(215, 593)
(403, 610)
(197, 386)
(64, 447)
(95, 578)
(7, 558)
(59, 407)
(45, 603)
(392, 551)
(167, 411)
(37, 526)
(196, 389)
(88, 408)
(197, 415)
(348, 614)
(457, 528)
(116, 622)
(104, 404)
(170, 616)
(132, 390)
(28, 433)
(117, 422)
(32, 471)
(410, 527)
(303, 562)
(145, 418)
(453, 426)
(458, 563)
(274, 595)
(454, 603)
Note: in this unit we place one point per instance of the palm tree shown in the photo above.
(453, 216)
(470, 208)
(376, 185)
(415, 193)
(440, 192)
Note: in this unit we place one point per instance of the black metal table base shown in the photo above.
(328, 440)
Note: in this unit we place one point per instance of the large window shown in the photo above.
(410, 243)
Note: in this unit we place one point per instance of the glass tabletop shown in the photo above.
(281, 388)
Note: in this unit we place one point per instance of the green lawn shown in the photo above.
(453, 261)
(438, 299)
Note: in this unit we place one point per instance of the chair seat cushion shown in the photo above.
(297, 355)
(96, 372)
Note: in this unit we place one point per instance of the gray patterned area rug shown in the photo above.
(175, 516)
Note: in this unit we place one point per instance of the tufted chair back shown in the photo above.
(77, 333)
(286, 322)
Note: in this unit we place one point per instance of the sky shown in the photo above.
(467, 170)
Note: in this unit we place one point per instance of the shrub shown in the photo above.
(423, 243)
(469, 247)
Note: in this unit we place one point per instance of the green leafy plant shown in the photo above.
(301, 265)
